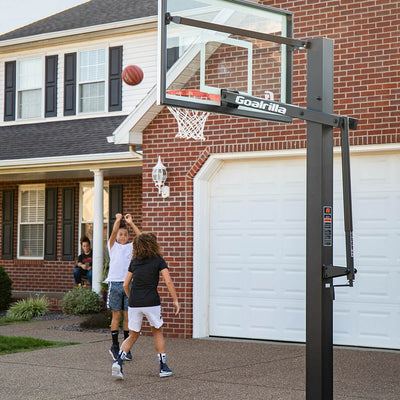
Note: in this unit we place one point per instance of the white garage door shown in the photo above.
(257, 251)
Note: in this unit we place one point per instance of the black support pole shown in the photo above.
(319, 291)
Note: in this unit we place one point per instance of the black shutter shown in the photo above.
(50, 236)
(9, 90)
(114, 204)
(8, 225)
(172, 56)
(68, 223)
(115, 80)
(51, 86)
(70, 84)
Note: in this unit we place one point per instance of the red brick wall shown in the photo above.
(56, 276)
(366, 87)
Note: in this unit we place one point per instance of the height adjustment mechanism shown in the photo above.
(332, 271)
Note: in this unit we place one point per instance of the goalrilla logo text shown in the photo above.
(262, 105)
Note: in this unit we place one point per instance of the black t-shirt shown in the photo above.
(86, 258)
(146, 274)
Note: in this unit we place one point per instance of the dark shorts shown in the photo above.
(117, 299)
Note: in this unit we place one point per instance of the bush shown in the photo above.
(5, 289)
(29, 308)
(81, 300)
(97, 321)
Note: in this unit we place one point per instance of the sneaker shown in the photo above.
(116, 370)
(114, 351)
(128, 357)
(164, 370)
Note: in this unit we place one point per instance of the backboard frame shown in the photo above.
(165, 18)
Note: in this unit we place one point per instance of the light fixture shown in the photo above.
(159, 177)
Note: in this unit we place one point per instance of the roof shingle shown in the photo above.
(94, 12)
(58, 139)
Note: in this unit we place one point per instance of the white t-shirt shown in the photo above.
(120, 258)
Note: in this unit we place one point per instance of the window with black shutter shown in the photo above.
(68, 223)
(114, 205)
(51, 86)
(50, 233)
(70, 84)
(7, 238)
(115, 80)
(9, 90)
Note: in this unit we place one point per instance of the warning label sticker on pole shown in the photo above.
(327, 234)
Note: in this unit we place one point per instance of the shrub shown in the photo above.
(97, 321)
(5, 289)
(104, 286)
(81, 300)
(29, 308)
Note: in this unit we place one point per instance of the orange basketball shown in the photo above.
(132, 75)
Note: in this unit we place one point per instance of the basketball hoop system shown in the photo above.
(191, 122)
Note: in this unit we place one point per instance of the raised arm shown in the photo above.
(171, 288)
(113, 236)
(129, 221)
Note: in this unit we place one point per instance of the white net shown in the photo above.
(190, 122)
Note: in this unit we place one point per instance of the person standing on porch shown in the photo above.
(120, 251)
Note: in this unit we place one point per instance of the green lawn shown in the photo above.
(9, 321)
(16, 344)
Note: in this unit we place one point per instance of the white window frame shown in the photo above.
(105, 207)
(18, 88)
(22, 188)
(83, 82)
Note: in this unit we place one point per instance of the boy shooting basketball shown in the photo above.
(120, 251)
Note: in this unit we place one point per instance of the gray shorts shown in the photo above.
(117, 299)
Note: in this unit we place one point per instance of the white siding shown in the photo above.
(139, 48)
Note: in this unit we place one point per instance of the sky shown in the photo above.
(17, 13)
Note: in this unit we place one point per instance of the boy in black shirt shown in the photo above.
(144, 271)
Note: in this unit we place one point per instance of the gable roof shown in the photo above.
(91, 13)
(59, 138)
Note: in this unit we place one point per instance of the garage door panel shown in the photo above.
(374, 287)
(226, 282)
(292, 246)
(373, 248)
(259, 318)
(257, 236)
(224, 316)
(380, 177)
(293, 210)
(368, 325)
(226, 212)
(293, 284)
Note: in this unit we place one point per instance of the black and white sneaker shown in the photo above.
(128, 357)
(116, 370)
(114, 351)
(164, 370)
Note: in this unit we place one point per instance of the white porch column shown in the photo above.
(98, 230)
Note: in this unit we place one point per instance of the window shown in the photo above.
(29, 84)
(92, 74)
(31, 214)
(86, 211)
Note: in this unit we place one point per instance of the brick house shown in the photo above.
(232, 258)
(62, 96)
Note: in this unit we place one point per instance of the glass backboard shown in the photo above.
(209, 45)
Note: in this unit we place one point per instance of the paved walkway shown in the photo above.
(204, 369)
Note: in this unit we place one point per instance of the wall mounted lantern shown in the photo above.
(159, 177)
